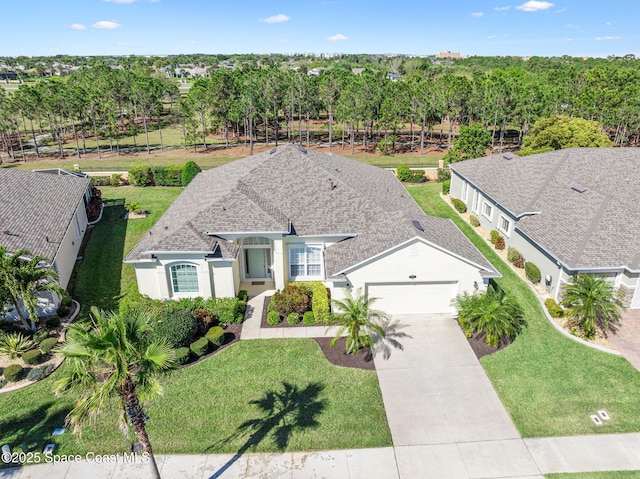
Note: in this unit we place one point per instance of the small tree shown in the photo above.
(358, 320)
(494, 314)
(593, 302)
(472, 143)
(189, 172)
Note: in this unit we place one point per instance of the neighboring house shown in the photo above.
(293, 214)
(44, 213)
(567, 211)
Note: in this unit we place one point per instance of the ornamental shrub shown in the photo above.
(100, 181)
(189, 172)
(319, 298)
(499, 244)
(226, 310)
(513, 254)
(40, 335)
(273, 318)
(293, 318)
(459, 205)
(443, 175)
(182, 355)
(243, 295)
(199, 346)
(48, 344)
(532, 272)
(493, 236)
(555, 310)
(179, 327)
(290, 300)
(15, 345)
(475, 222)
(446, 186)
(519, 263)
(403, 172)
(141, 176)
(53, 323)
(167, 175)
(417, 176)
(13, 372)
(215, 336)
(3, 382)
(308, 318)
(33, 356)
(114, 180)
(36, 374)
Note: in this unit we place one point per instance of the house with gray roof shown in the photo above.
(568, 211)
(44, 213)
(292, 214)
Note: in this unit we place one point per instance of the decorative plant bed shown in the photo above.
(283, 323)
(231, 336)
(336, 355)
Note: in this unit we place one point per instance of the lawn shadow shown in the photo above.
(103, 253)
(32, 428)
(283, 412)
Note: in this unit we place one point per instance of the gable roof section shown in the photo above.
(36, 206)
(597, 228)
(307, 193)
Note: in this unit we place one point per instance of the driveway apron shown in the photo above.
(441, 405)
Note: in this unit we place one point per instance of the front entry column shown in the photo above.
(278, 267)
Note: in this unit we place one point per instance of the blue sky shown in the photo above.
(422, 27)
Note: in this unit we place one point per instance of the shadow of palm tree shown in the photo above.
(283, 413)
(392, 333)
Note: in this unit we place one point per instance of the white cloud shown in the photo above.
(608, 37)
(560, 10)
(120, 1)
(534, 6)
(477, 14)
(106, 24)
(283, 40)
(607, 24)
(192, 42)
(337, 37)
(279, 18)
(77, 26)
(503, 9)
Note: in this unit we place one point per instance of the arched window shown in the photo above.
(184, 278)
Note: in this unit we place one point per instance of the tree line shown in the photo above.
(271, 104)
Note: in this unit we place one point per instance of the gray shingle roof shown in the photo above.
(315, 194)
(35, 206)
(597, 228)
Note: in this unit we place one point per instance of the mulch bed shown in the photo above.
(337, 355)
(231, 336)
(283, 323)
(480, 348)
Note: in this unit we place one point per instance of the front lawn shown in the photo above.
(205, 405)
(548, 383)
(596, 475)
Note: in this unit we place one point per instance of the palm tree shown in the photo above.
(115, 356)
(358, 320)
(593, 301)
(493, 314)
(22, 278)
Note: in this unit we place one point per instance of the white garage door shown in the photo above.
(412, 298)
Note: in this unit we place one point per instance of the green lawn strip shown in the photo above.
(204, 405)
(548, 383)
(412, 161)
(100, 277)
(595, 475)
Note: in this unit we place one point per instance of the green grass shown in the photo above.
(204, 406)
(425, 161)
(100, 277)
(596, 475)
(548, 383)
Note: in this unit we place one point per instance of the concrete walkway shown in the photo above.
(446, 422)
(627, 338)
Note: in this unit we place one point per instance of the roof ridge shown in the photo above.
(263, 203)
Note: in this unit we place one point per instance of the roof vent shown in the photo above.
(332, 184)
(508, 156)
(302, 149)
(579, 188)
(273, 150)
(417, 225)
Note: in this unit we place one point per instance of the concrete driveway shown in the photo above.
(446, 419)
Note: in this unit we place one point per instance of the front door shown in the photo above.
(257, 263)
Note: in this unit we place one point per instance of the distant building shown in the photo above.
(448, 54)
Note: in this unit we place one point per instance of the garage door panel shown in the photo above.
(413, 298)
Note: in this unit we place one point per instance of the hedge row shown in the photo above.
(173, 175)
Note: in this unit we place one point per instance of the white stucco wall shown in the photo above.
(65, 259)
(416, 258)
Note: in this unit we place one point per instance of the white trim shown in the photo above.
(403, 244)
(181, 294)
(475, 201)
(635, 299)
(331, 235)
(244, 233)
(465, 191)
(485, 203)
(501, 218)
